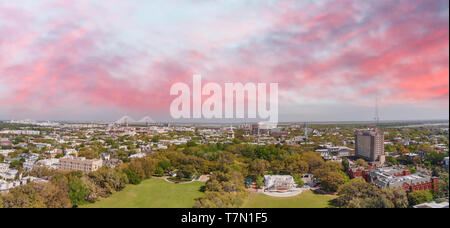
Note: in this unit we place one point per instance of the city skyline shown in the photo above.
(98, 61)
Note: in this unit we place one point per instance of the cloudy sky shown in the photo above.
(100, 60)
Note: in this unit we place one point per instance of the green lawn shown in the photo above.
(153, 193)
(305, 200)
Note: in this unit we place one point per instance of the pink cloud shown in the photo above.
(338, 51)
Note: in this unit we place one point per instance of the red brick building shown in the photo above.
(395, 177)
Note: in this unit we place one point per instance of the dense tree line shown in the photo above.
(357, 193)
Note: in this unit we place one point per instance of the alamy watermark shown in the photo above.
(229, 106)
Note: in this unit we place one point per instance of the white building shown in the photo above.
(4, 167)
(6, 185)
(42, 145)
(71, 152)
(279, 183)
(10, 174)
(139, 155)
(28, 165)
(52, 163)
(5, 153)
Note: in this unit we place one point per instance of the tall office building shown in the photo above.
(369, 145)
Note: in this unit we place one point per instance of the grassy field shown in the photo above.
(157, 193)
(153, 193)
(305, 200)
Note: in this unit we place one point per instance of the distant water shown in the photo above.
(422, 125)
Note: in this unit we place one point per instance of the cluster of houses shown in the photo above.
(335, 153)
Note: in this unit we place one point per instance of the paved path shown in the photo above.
(295, 192)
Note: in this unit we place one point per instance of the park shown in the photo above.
(158, 193)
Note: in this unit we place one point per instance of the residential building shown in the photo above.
(52, 163)
(80, 163)
(112, 163)
(3, 167)
(5, 142)
(5, 153)
(369, 144)
(28, 165)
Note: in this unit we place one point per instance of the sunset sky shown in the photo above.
(100, 60)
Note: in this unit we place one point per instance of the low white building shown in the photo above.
(6, 185)
(71, 152)
(28, 165)
(52, 163)
(4, 167)
(279, 183)
(10, 174)
(139, 155)
(5, 153)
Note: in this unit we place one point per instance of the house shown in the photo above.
(5, 142)
(10, 174)
(105, 156)
(139, 155)
(40, 146)
(71, 152)
(3, 167)
(53, 153)
(5, 153)
(6, 185)
(112, 163)
(52, 163)
(28, 165)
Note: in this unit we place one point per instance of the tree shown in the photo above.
(259, 182)
(420, 196)
(361, 162)
(313, 159)
(159, 172)
(397, 196)
(298, 180)
(36, 195)
(296, 165)
(54, 197)
(331, 181)
(89, 153)
(345, 164)
(220, 200)
(356, 189)
(444, 185)
(155, 139)
(77, 191)
(258, 168)
(391, 161)
(191, 144)
(133, 178)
